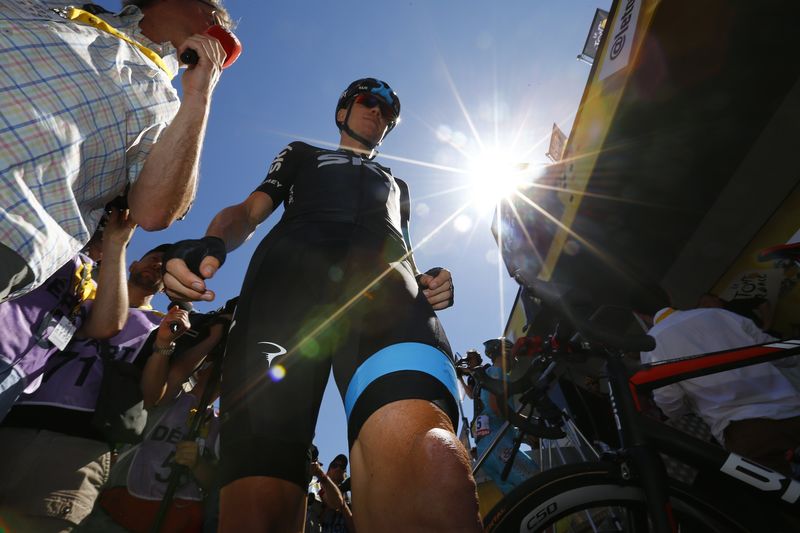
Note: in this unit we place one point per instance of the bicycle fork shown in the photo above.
(646, 461)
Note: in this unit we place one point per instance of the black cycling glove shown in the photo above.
(431, 272)
(435, 272)
(193, 251)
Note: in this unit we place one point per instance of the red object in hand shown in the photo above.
(230, 43)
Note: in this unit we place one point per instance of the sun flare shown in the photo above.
(496, 174)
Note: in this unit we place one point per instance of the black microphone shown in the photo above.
(186, 306)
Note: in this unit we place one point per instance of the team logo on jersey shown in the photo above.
(272, 354)
(344, 159)
(277, 163)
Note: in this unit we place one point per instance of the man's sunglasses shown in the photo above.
(370, 101)
(338, 465)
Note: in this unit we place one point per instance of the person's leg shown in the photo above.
(276, 368)
(50, 478)
(409, 470)
(260, 503)
(411, 473)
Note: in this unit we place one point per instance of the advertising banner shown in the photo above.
(620, 39)
(596, 30)
(558, 143)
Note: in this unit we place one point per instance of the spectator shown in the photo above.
(473, 361)
(756, 309)
(490, 420)
(52, 457)
(753, 411)
(122, 130)
(138, 481)
(39, 324)
(329, 506)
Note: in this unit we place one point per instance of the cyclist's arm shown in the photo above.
(235, 224)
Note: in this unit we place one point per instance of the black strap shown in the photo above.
(94, 9)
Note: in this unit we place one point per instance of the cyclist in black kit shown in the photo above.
(334, 285)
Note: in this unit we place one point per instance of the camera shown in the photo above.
(201, 324)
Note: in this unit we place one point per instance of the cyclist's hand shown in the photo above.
(437, 285)
(188, 264)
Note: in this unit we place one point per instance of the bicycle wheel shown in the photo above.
(593, 497)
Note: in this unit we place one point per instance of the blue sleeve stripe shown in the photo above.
(398, 357)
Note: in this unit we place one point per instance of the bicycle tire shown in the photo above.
(549, 498)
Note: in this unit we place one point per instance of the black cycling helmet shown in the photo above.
(376, 87)
(495, 347)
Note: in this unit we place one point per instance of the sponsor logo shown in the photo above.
(277, 163)
(619, 39)
(324, 160)
(275, 350)
(761, 477)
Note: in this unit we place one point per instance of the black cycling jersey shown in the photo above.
(319, 185)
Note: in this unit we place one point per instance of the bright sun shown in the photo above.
(495, 174)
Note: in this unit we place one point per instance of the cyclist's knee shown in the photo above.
(416, 432)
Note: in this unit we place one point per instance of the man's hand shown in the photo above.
(200, 79)
(165, 335)
(437, 285)
(119, 228)
(187, 453)
(185, 260)
(316, 470)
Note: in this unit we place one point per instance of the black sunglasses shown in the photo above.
(370, 101)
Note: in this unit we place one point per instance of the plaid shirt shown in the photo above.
(79, 111)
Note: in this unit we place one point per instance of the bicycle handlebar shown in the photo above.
(550, 295)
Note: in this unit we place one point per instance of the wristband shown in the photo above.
(168, 350)
(193, 251)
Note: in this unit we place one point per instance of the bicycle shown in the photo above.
(628, 489)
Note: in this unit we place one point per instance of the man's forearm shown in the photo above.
(154, 377)
(165, 188)
(110, 308)
(332, 497)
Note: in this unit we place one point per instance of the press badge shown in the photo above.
(62, 333)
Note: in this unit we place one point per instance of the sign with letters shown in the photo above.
(619, 43)
(596, 31)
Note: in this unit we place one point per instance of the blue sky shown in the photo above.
(501, 71)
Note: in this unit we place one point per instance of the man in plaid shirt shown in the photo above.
(88, 113)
